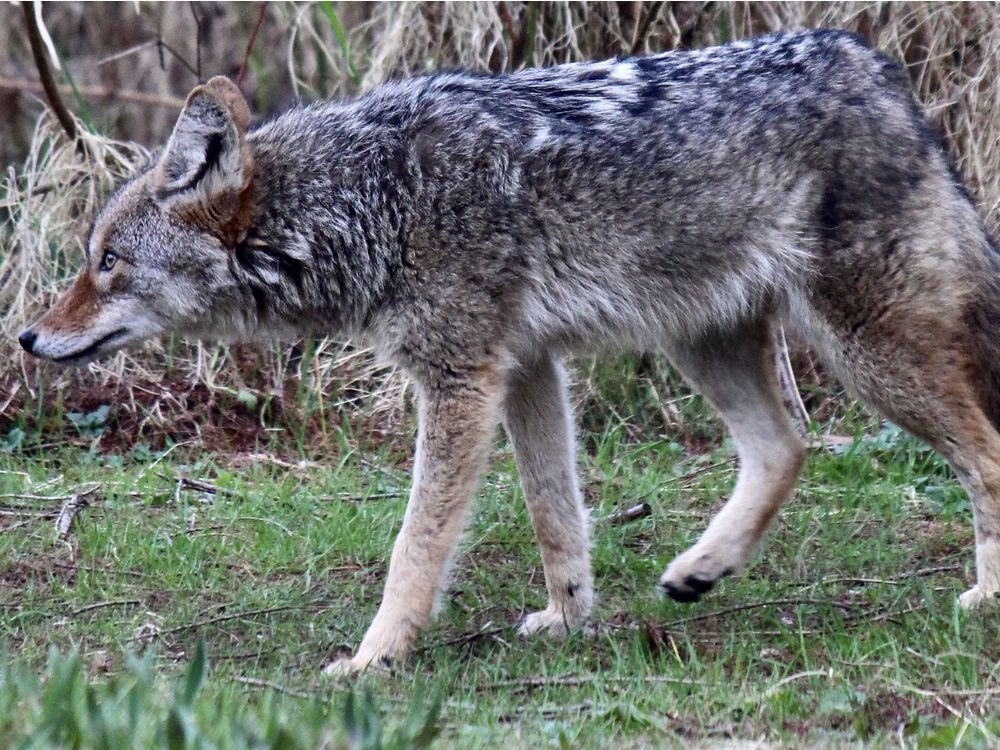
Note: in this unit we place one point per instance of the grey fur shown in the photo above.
(476, 228)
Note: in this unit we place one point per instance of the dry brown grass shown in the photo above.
(952, 51)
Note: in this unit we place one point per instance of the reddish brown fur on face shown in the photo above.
(76, 310)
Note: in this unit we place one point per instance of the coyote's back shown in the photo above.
(476, 228)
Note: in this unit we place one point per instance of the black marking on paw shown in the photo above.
(698, 584)
(571, 589)
(679, 594)
(385, 661)
(690, 591)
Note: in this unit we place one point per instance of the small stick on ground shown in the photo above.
(700, 470)
(531, 683)
(71, 509)
(349, 498)
(102, 605)
(198, 485)
(258, 683)
(618, 518)
(225, 618)
(886, 581)
(753, 605)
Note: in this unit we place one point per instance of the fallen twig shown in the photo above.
(249, 459)
(39, 498)
(18, 525)
(752, 605)
(198, 485)
(630, 514)
(224, 618)
(71, 509)
(531, 683)
(886, 581)
(700, 470)
(797, 676)
(486, 631)
(28, 512)
(967, 718)
(258, 683)
(102, 605)
(349, 498)
(896, 613)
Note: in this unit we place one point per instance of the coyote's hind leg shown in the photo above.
(536, 415)
(736, 373)
(925, 380)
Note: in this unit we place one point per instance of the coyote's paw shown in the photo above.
(348, 666)
(695, 572)
(551, 623)
(976, 596)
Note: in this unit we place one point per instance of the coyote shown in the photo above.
(475, 229)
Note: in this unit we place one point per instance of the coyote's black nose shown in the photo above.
(27, 340)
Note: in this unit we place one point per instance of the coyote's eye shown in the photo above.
(108, 260)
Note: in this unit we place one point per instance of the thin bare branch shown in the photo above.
(45, 72)
(97, 92)
(642, 28)
(253, 38)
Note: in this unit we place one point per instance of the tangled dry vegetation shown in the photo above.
(127, 67)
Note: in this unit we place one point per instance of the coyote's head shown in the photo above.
(159, 253)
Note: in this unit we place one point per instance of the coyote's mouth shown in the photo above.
(93, 349)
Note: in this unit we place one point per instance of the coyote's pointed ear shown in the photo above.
(205, 172)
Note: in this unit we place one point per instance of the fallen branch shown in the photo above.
(892, 614)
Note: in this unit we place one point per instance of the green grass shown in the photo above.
(845, 631)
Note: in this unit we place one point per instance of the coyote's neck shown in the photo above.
(322, 252)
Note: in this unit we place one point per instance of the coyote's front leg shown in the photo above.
(456, 426)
